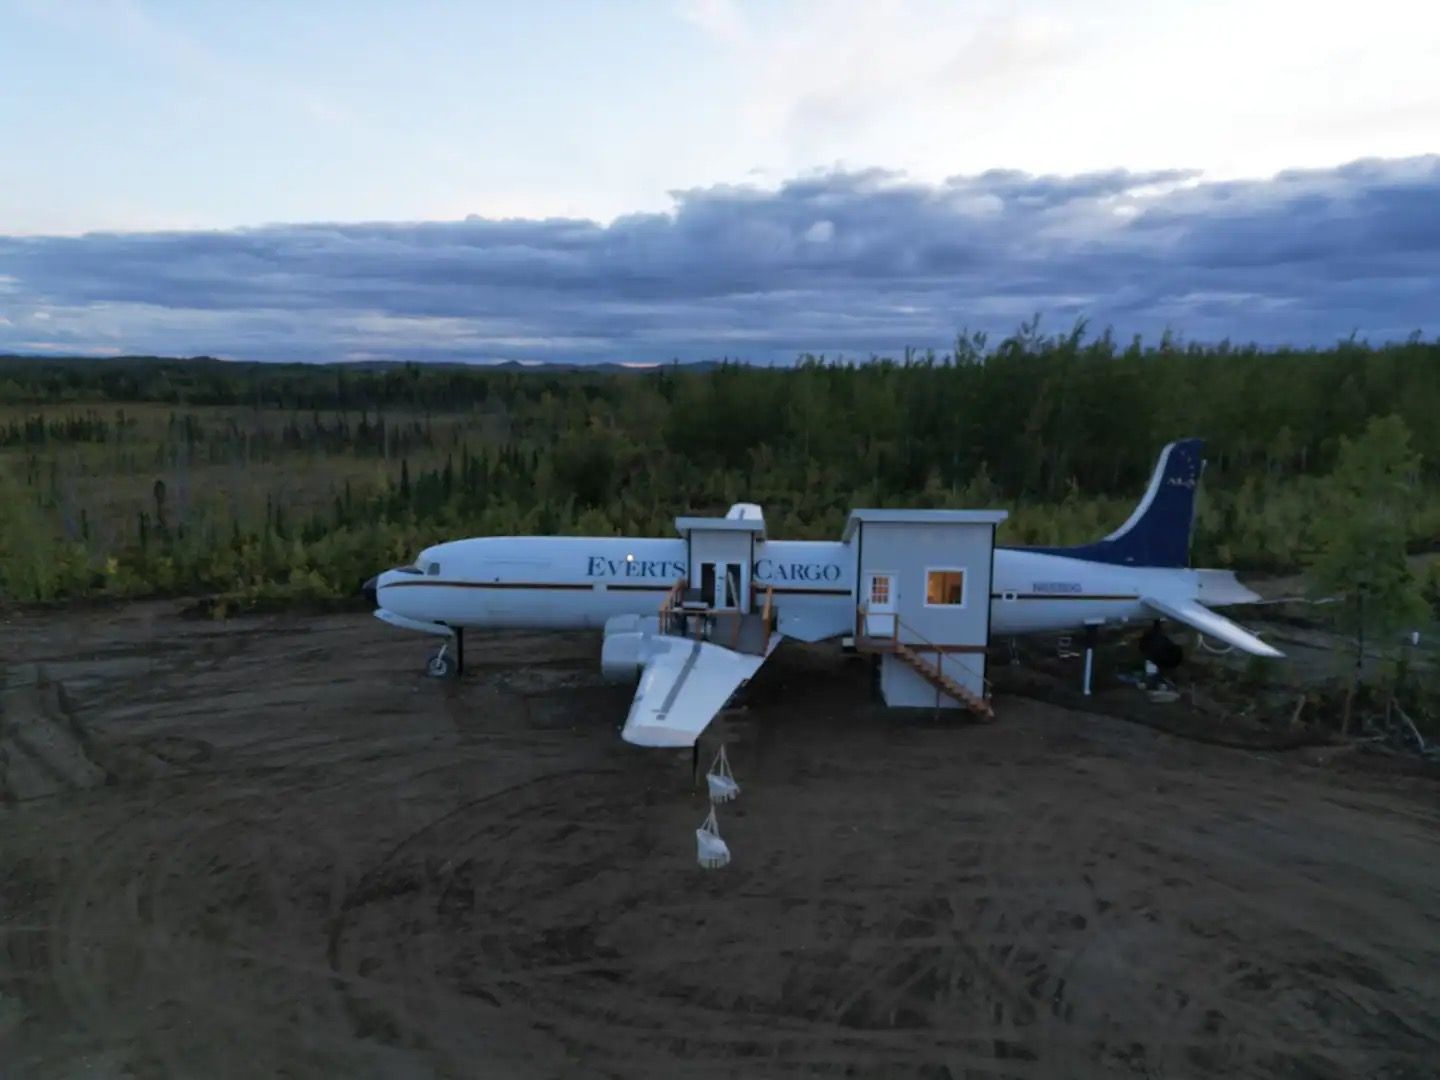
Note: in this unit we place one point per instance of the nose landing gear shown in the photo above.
(442, 664)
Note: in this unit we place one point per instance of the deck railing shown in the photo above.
(708, 623)
(667, 606)
(768, 615)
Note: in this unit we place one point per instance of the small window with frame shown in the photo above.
(880, 589)
(945, 587)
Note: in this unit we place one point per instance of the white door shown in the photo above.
(878, 603)
(734, 585)
(721, 584)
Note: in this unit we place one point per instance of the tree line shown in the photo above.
(255, 481)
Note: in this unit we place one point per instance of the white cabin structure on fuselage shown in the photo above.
(923, 583)
(912, 586)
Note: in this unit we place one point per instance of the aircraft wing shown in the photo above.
(1197, 615)
(684, 684)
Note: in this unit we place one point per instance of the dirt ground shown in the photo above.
(309, 859)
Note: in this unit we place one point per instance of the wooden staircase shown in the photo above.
(935, 675)
(932, 672)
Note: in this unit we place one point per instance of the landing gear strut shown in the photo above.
(1092, 633)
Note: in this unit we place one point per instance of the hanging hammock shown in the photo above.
(720, 779)
(712, 852)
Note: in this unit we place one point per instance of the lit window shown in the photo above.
(880, 589)
(945, 588)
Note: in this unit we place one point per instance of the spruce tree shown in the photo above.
(1361, 559)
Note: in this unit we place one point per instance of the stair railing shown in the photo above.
(862, 626)
(667, 606)
(940, 654)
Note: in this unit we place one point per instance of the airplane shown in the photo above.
(633, 590)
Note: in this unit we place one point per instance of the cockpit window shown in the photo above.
(433, 569)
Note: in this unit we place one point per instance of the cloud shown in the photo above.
(721, 19)
(834, 262)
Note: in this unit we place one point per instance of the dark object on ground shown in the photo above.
(1160, 650)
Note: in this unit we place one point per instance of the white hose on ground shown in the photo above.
(1200, 640)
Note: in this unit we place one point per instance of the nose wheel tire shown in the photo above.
(440, 665)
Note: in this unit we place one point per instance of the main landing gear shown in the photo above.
(442, 665)
(1159, 649)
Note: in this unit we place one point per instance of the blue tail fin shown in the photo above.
(1158, 532)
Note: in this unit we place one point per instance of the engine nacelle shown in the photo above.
(626, 646)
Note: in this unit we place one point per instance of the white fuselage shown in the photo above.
(576, 583)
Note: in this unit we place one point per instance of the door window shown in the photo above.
(880, 589)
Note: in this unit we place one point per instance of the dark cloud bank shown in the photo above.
(850, 263)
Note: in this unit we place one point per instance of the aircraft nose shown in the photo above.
(368, 589)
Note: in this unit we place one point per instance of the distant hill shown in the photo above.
(29, 360)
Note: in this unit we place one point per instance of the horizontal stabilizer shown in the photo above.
(1199, 617)
(685, 683)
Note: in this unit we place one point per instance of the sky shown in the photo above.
(688, 179)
